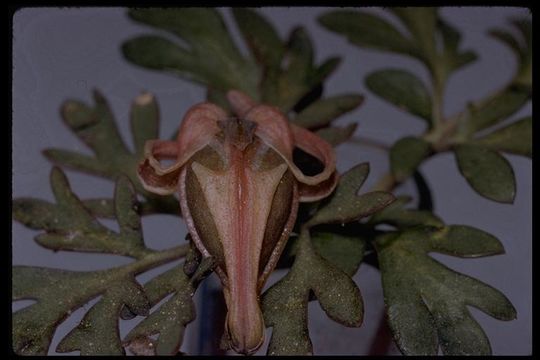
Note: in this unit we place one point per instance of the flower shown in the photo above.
(239, 191)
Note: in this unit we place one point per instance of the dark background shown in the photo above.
(65, 53)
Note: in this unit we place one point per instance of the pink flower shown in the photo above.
(239, 192)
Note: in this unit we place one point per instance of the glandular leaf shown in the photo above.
(344, 205)
(427, 302)
(285, 304)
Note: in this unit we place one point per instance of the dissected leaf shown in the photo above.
(522, 48)
(285, 303)
(406, 155)
(322, 112)
(345, 206)
(364, 29)
(496, 108)
(337, 135)
(515, 138)
(427, 302)
(96, 127)
(70, 226)
(34, 326)
(97, 333)
(207, 55)
(170, 319)
(452, 57)
(261, 37)
(488, 172)
(397, 215)
(420, 21)
(402, 89)
(343, 251)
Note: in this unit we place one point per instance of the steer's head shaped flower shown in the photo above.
(239, 191)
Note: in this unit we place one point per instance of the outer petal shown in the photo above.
(276, 131)
(198, 128)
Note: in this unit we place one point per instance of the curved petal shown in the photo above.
(275, 130)
(309, 193)
(318, 147)
(240, 102)
(198, 128)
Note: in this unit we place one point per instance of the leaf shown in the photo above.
(426, 301)
(97, 333)
(170, 319)
(522, 48)
(337, 135)
(285, 303)
(33, 326)
(343, 251)
(366, 30)
(452, 57)
(261, 37)
(488, 173)
(496, 108)
(345, 206)
(322, 112)
(420, 21)
(406, 155)
(397, 215)
(515, 138)
(402, 89)
(208, 56)
(96, 127)
(69, 226)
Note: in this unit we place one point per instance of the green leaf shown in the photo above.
(366, 30)
(397, 215)
(337, 135)
(210, 56)
(69, 225)
(144, 121)
(343, 251)
(488, 173)
(496, 108)
(261, 37)
(345, 206)
(515, 138)
(285, 303)
(465, 241)
(97, 333)
(406, 155)
(452, 57)
(171, 318)
(34, 326)
(427, 302)
(420, 21)
(96, 127)
(322, 112)
(402, 89)
(522, 48)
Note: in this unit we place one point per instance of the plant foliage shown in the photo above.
(426, 302)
